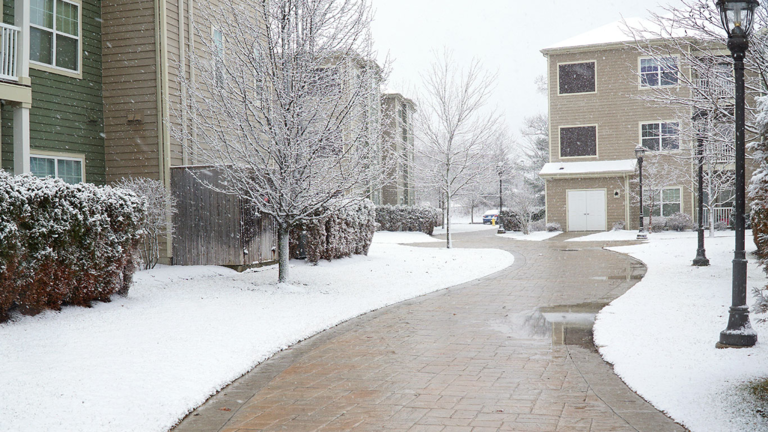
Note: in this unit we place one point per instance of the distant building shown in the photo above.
(397, 128)
(597, 118)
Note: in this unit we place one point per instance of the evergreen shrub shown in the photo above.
(63, 244)
(408, 218)
(344, 231)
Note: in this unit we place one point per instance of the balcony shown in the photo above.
(9, 50)
(716, 87)
(722, 214)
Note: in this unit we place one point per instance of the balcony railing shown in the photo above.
(720, 152)
(715, 87)
(9, 48)
(722, 214)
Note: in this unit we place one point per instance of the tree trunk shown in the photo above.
(448, 221)
(283, 239)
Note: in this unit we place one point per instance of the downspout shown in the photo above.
(191, 39)
(627, 217)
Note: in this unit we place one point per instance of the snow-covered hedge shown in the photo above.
(679, 222)
(408, 218)
(64, 244)
(345, 231)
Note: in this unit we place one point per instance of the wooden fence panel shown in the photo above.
(213, 228)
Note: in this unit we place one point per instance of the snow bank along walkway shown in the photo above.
(507, 352)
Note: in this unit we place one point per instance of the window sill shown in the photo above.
(55, 70)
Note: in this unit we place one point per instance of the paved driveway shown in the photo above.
(508, 352)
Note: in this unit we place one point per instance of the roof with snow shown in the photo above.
(594, 168)
(617, 32)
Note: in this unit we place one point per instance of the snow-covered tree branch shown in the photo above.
(285, 101)
(455, 133)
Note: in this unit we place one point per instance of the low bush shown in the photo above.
(64, 244)
(554, 226)
(510, 220)
(721, 225)
(618, 226)
(408, 218)
(679, 222)
(538, 225)
(657, 224)
(347, 230)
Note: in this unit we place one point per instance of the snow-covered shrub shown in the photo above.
(161, 206)
(618, 226)
(408, 218)
(538, 225)
(64, 244)
(554, 226)
(656, 225)
(346, 231)
(679, 222)
(510, 220)
(721, 225)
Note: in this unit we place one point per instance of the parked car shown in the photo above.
(490, 215)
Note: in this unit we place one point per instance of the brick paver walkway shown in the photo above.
(477, 357)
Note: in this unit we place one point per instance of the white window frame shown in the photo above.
(659, 72)
(660, 204)
(560, 142)
(56, 156)
(660, 138)
(575, 62)
(52, 67)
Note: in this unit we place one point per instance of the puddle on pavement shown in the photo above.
(566, 325)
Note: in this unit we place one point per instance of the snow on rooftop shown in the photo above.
(625, 166)
(615, 32)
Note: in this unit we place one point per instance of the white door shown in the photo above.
(586, 210)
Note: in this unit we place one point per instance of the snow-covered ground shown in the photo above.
(534, 236)
(622, 235)
(398, 237)
(462, 227)
(661, 334)
(141, 363)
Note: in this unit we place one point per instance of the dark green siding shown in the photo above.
(67, 113)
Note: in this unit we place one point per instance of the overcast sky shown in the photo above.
(505, 35)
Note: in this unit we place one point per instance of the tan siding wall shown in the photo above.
(130, 83)
(613, 107)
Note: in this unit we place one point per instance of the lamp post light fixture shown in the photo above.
(500, 221)
(736, 17)
(698, 121)
(639, 153)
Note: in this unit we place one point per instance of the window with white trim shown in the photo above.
(54, 33)
(665, 202)
(658, 72)
(661, 136)
(576, 78)
(66, 168)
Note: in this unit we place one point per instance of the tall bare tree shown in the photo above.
(283, 103)
(456, 131)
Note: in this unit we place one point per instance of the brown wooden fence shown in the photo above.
(213, 228)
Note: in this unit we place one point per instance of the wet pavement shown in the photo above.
(509, 352)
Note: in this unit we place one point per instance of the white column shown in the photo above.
(21, 20)
(21, 139)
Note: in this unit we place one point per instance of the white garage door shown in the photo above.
(586, 210)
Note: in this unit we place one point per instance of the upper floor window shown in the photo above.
(578, 141)
(54, 33)
(576, 78)
(658, 72)
(663, 136)
(66, 168)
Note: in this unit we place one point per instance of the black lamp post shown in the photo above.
(639, 153)
(736, 17)
(698, 120)
(500, 170)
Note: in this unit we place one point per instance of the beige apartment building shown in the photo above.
(397, 124)
(597, 118)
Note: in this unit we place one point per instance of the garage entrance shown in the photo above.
(586, 210)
